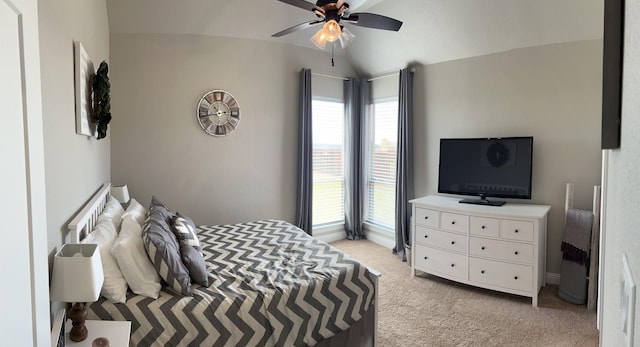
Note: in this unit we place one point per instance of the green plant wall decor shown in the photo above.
(101, 99)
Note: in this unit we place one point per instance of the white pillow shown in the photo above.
(114, 287)
(132, 257)
(112, 211)
(136, 210)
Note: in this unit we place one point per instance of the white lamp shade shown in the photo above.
(120, 193)
(77, 273)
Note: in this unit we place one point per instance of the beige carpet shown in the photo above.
(430, 311)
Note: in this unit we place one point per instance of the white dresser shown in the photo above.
(500, 248)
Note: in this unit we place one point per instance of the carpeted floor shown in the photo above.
(430, 311)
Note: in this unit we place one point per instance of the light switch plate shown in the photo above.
(627, 301)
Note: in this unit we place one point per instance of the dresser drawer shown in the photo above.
(501, 250)
(512, 276)
(484, 226)
(441, 239)
(434, 260)
(516, 230)
(428, 218)
(454, 222)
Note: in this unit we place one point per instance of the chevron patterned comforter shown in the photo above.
(270, 285)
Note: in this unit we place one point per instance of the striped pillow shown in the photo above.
(185, 231)
(190, 249)
(163, 248)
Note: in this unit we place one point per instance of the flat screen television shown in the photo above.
(486, 167)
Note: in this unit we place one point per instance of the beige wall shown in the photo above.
(75, 165)
(385, 86)
(621, 225)
(552, 93)
(159, 148)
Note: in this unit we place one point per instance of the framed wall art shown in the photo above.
(83, 73)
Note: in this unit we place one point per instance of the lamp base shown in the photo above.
(78, 315)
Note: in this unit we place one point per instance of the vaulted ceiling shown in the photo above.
(433, 30)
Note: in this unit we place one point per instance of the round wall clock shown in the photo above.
(218, 113)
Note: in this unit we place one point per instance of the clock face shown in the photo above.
(218, 113)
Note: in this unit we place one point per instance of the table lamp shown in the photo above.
(77, 277)
(120, 193)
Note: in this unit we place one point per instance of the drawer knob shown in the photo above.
(516, 252)
(425, 258)
(515, 277)
(425, 236)
(516, 231)
(453, 265)
(483, 227)
(453, 242)
(482, 271)
(426, 217)
(453, 222)
(482, 248)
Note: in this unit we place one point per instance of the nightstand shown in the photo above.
(116, 331)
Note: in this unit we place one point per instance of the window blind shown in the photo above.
(328, 167)
(381, 184)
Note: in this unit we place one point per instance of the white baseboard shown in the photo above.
(553, 278)
(331, 236)
(376, 235)
(330, 233)
(381, 237)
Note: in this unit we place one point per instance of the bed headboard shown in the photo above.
(86, 219)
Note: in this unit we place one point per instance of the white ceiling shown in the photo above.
(433, 30)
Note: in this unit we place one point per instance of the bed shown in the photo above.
(269, 284)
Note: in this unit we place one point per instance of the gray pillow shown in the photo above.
(190, 250)
(163, 248)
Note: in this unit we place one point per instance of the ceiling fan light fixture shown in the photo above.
(332, 30)
(332, 12)
(319, 39)
(346, 37)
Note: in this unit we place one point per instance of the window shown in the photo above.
(328, 168)
(381, 176)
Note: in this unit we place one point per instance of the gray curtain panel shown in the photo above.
(365, 140)
(304, 195)
(356, 101)
(404, 163)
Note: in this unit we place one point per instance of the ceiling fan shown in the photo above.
(331, 13)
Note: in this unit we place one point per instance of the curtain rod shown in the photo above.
(391, 74)
(329, 76)
(383, 76)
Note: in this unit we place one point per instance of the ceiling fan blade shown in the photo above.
(302, 4)
(300, 26)
(371, 20)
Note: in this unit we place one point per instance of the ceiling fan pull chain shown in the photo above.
(332, 54)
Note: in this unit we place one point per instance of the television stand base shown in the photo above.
(482, 201)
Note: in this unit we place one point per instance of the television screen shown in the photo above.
(486, 167)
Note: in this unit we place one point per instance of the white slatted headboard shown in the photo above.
(86, 219)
